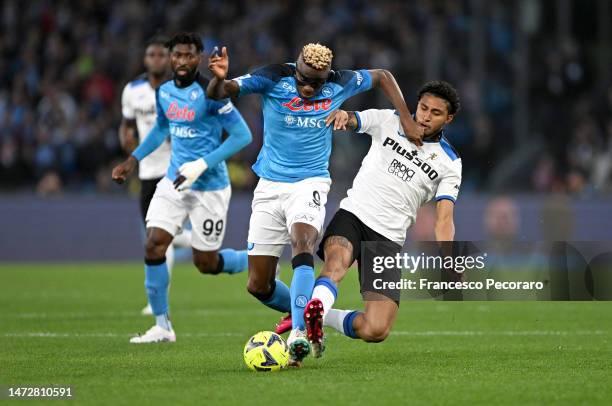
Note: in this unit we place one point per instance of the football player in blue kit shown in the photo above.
(196, 184)
(289, 201)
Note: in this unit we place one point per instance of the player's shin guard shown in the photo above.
(279, 298)
(326, 291)
(232, 261)
(301, 287)
(342, 321)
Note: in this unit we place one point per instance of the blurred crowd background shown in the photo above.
(534, 76)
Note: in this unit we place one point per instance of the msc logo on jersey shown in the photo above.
(298, 104)
(326, 91)
(303, 122)
(182, 132)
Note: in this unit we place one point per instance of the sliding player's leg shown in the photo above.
(338, 258)
(373, 325)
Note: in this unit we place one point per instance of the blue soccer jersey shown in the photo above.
(297, 144)
(195, 124)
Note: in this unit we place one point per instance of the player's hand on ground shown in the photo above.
(123, 170)
(413, 131)
(188, 173)
(339, 118)
(218, 63)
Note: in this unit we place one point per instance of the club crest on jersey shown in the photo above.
(194, 94)
(299, 104)
(432, 156)
(326, 91)
(176, 112)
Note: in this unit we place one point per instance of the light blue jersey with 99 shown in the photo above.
(296, 143)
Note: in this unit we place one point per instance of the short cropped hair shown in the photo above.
(443, 90)
(186, 38)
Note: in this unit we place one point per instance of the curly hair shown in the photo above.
(443, 90)
(317, 56)
(186, 38)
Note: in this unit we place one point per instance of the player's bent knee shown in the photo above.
(155, 249)
(258, 288)
(205, 265)
(375, 333)
(303, 244)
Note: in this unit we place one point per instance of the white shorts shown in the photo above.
(207, 211)
(278, 205)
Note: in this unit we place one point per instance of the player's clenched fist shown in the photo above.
(218, 63)
(123, 170)
(413, 131)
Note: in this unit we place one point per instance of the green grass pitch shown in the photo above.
(69, 324)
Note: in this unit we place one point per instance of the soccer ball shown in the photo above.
(266, 351)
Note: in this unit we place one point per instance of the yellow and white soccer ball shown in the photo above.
(266, 351)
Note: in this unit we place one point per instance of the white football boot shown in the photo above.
(299, 347)
(155, 334)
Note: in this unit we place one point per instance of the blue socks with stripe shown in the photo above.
(156, 284)
(233, 261)
(301, 287)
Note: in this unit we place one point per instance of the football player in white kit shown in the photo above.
(396, 177)
(139, 114)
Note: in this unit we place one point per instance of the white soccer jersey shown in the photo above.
(138, 103)
(397, 177)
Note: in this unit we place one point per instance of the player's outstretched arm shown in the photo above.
(383, 79)
(342, 120)
(219, 87)
(445, 227)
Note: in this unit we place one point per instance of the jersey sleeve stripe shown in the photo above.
(358, 121)
(450, 151)
(445, 197)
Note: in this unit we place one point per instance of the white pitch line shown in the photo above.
(431, 333)
(45, 334)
